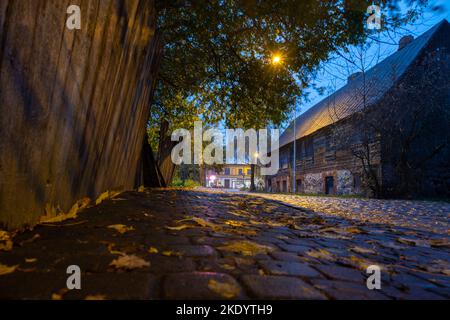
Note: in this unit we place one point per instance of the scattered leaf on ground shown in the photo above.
(179, 228)
(105, 196)
(129, 262)
(95, 297)
(54, 215)
(362, 250)
(235, 223)
(152, 250)
(31, 260)
(226, 290)
(169, 253)
(121, 228)
(414, 242)
(6, 244)
(320, 254)
(246, 248)
(112, 251)
(7, 269)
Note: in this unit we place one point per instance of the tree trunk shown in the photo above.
(164, 159)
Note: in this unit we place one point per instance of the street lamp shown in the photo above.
(276, 59)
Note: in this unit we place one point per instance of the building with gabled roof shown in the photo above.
(373, 114)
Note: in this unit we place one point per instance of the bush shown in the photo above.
(189, 183)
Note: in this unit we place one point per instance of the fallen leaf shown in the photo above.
(7, 269)
(112, 251)
(32, 260)
(362, 250)
(234, 223)
(105, 196)
(95, 297)
(54, 215)
(129, 262)
(227, 266)
(320, 254)
(179, 228)
(60, 294)
(440, 243)
(359, 262)
(226, 290)
(6, 244)
(414, 242)
(152, 250)
(121, 228)
(169, 253)
(246, 248)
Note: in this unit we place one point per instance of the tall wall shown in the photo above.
(73, 104)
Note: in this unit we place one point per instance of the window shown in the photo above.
(356, 182)
(249, 171)
(329, 185)
(227, 171)
(309, 147)
(278, 186)
(241, 172)
(284, 186)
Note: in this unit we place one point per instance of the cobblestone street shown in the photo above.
(193, 244)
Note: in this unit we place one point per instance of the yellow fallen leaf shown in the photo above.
(206, 223)
(141, 189)
(227, 266)
(106, 195)
(246, 248)
(226, 290)
(121, 228)
(320, 254)
(179, 228)
(6, 244)
(152, 250)
(112, 251)
(129, 262)
(95, 297)
(54, 215)
(32, 260)
(234, 223)
(361, 263)
(169, 253)
(7, 269)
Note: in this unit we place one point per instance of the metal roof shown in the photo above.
(360, 92)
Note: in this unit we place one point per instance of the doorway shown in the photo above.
(329, 185)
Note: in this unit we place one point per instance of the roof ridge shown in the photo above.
(315, 118)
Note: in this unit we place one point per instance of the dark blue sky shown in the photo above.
(333, 74)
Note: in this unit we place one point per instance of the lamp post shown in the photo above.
(294, 179)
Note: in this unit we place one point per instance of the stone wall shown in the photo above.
(74, 104)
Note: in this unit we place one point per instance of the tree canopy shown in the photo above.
(245, 62)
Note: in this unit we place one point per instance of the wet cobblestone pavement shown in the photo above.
(180, 244)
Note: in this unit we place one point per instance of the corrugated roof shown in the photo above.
(360, 92)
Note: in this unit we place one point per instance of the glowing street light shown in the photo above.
(276, 59)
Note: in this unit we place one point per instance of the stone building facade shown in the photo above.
(386, 133)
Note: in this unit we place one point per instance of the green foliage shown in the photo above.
(189, 183)
(216, 63)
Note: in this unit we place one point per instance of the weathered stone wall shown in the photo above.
(73, 104)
